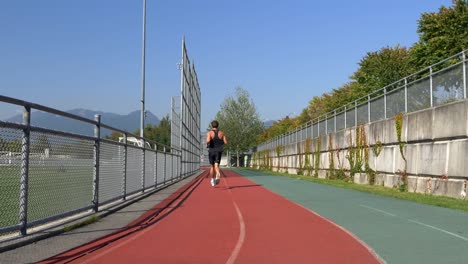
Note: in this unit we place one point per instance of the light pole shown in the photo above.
(142, 117)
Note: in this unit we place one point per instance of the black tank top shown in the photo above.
(216, 143)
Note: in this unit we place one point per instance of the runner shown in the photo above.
(215, 139)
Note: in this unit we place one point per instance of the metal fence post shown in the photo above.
(430, 86)
(143, 165)
(345, 114)
(335, 120)
(368, 109)
(311, 134)
(355, 113)
(464, 75)
(165, 154)
(172, 165)
(385, 102)
(318, 127)
(97, 138)
(124, 176)
(155, 165)
(23, 203)
(326, 124)
(406, 95)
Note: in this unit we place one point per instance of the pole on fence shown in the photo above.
(326, 124)
(335, 120)
(143, 165)
(406, 95)
(142, 114)
(345, 114)
(164, 148)
(124, 176)
(155, 165)
(464, 75)
(430, 86)
(182, 114)
(23, 203)
(368, 109)
(385, 102)
(318, 127)
(355, 113)
(97, 138)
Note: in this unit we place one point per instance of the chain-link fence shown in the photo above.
(441, 83)
(48, 175)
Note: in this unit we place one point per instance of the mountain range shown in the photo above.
(129, 122)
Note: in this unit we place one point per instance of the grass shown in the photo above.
(441, 201)
(52, 190)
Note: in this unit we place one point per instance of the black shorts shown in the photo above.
(214, 156)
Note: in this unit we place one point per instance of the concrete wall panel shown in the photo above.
(450, 120)
(420, 125)
(458, 158)
(432, 158)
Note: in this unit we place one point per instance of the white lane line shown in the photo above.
(377, 210)
(417, 222)
(438, 229)
(240, 240)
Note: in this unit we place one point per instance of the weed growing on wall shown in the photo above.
(399, 128)
(331, 159)
(403, 181)
(355, 153)
(340, 173)
(300, 170)
(307, 163)
(403, 174)
(358, 155)
(377, 148)
(270, 161)
(317, 157)
(278, 150)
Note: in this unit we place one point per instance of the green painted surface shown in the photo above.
(398, 231)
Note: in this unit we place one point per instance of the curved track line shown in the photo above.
(241, 239)
(371, 251)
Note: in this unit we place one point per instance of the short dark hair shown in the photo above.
(214, 124)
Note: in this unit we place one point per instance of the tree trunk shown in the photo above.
(237, 163)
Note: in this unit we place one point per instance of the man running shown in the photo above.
(215, 139)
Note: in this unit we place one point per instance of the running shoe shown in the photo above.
(217, 182)
(212, 182)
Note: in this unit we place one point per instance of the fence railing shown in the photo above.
(48, 175)
(189, 112)
(438, 84)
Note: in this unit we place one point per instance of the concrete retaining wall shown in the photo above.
(435, 150)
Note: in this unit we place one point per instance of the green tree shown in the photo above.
(441, 34)
(239, 119)
(163, 132)
(160, 133)
(381, 68)
(114, 136)
(278, 128)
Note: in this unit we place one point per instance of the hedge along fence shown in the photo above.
(425, 151)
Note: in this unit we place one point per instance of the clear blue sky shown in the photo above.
(87, 53)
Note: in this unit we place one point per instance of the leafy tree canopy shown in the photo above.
(239, 119)
(441, 34)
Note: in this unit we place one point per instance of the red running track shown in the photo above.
(237, 221)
